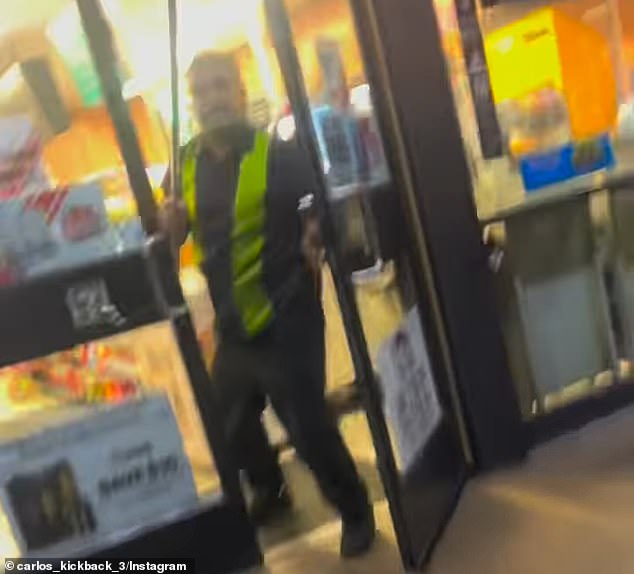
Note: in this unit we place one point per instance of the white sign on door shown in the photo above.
(411, 402)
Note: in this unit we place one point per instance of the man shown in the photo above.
(240, 199)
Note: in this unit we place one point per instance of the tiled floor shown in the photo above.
(310, 512)
(318, 552)
(569, 509)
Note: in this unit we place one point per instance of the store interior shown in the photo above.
(557, 239)
(553, 202)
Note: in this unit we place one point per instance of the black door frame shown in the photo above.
(282, 37)
(415, 103)
(426, 294)
(414, 550)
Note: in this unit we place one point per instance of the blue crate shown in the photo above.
(572, 160)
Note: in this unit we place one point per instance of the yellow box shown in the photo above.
(548, 49)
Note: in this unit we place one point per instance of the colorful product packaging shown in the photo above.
(53, 229)
(22, 168)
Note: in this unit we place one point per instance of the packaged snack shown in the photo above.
(21, 164)
(55, 228)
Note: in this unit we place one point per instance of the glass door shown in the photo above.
(392, 329)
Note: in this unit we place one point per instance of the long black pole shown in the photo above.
(105, 59)
(175, 159)
(282, 37)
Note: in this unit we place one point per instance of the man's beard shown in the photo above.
(229, 134)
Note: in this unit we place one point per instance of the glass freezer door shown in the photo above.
(390, 324)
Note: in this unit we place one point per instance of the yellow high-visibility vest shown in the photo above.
(250, 296)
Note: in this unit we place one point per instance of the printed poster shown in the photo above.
(101, 475)
(411, 402)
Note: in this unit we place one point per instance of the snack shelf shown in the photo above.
(62, 309)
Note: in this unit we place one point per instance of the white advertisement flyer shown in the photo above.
(100, 475)
(411, 403)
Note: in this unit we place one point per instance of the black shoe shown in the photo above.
(269, 505)
(357, 536)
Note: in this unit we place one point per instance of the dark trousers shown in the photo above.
(286, 365)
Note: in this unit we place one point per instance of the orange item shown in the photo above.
(90, 146)
(187, 254)
(548, 49)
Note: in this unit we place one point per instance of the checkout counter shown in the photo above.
(562, 252)
(562, 263)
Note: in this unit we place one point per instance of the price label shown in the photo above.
(78, 480)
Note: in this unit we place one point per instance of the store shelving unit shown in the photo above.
(123, 295)
(142, 290)
(601, 241)
(37, 320)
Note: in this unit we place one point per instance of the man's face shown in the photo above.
(217, 96)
